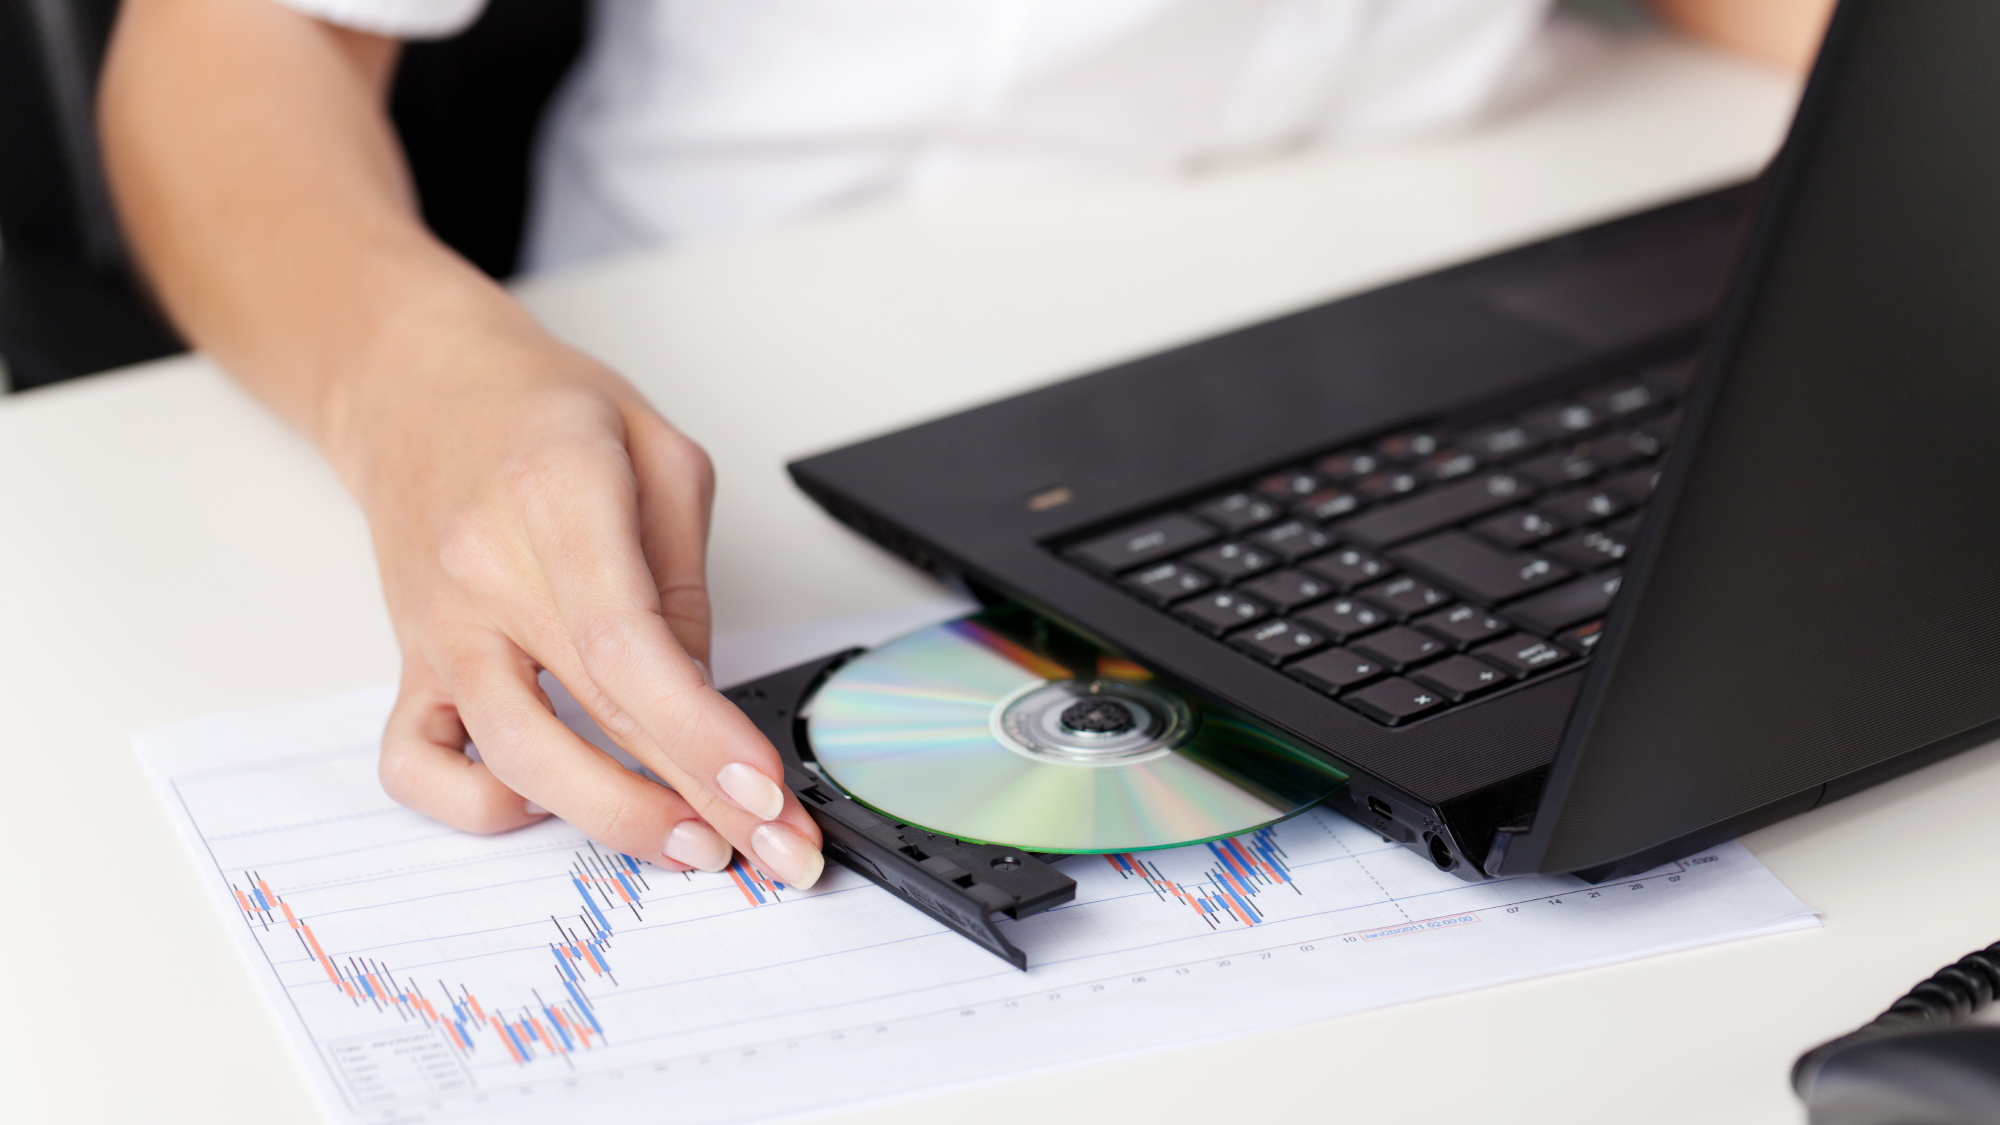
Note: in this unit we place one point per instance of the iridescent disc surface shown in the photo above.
(967, 730)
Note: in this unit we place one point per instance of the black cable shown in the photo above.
(1950, 996)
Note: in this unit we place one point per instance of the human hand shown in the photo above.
(530, 510)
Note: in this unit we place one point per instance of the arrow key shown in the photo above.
(1394, 700)
(1460, 677)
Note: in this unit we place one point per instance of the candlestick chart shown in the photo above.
(525, 1028)
(1228, 890)
(421, 972)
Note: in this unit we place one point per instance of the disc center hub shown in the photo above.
(1092, 722)
(1098, 716)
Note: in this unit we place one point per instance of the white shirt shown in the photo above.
(689, 120)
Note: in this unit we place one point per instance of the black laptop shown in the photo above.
(1580, 557)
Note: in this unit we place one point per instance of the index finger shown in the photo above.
(675, 496)
(619, 657)
(706, 748)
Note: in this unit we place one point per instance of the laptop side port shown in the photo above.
(1378, 813)
(1400, 819)
(1440, 851)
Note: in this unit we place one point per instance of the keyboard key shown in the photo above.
(1566, 465)
(1480, 572)
(1520, 528)
(1239, 511)
(1348, 568)
(1460, 677)
(1673, 379)
(1336, 669)
(1285, 590)
(1552, 611)
(1408, 447)
(1563, 422)
(1464, 625)
(1500, 441)
(1627, 525)
(1287, 487)
(1342, 618)
(1626, 399)
(1231, 561)
(1399, 646)
(1219, 612)
(1275, 642)
(1588, 550)
(1522, 655)
(1328, 503)
(1347, 466)
(1447, 464)
(1142, 543)
(1394, 700)
(1663, 428)
(1405, 597)
(1635, 486)
(1586, 505)
(1382, 486)
(1439, 508)
(1623, 447)
(1293, 540)
(1168, 582)
(1581, 639)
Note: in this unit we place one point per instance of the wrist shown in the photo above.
(424, 361)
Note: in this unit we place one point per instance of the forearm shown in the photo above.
(1784, 33)
(266, 199)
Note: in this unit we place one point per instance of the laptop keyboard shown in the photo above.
(1424, 570)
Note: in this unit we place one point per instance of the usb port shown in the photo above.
(1381, 808)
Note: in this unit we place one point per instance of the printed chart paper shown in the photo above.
(423, 974)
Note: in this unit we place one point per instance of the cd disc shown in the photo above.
(1001, 729)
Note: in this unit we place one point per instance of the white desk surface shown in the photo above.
(167, 550)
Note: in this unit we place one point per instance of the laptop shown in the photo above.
(1581, 557)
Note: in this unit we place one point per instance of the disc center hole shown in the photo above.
(1098, 716)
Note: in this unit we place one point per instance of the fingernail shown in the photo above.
(536, 810)
(707, 676)
(751, 791)
(697, 845)
(795, 862)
